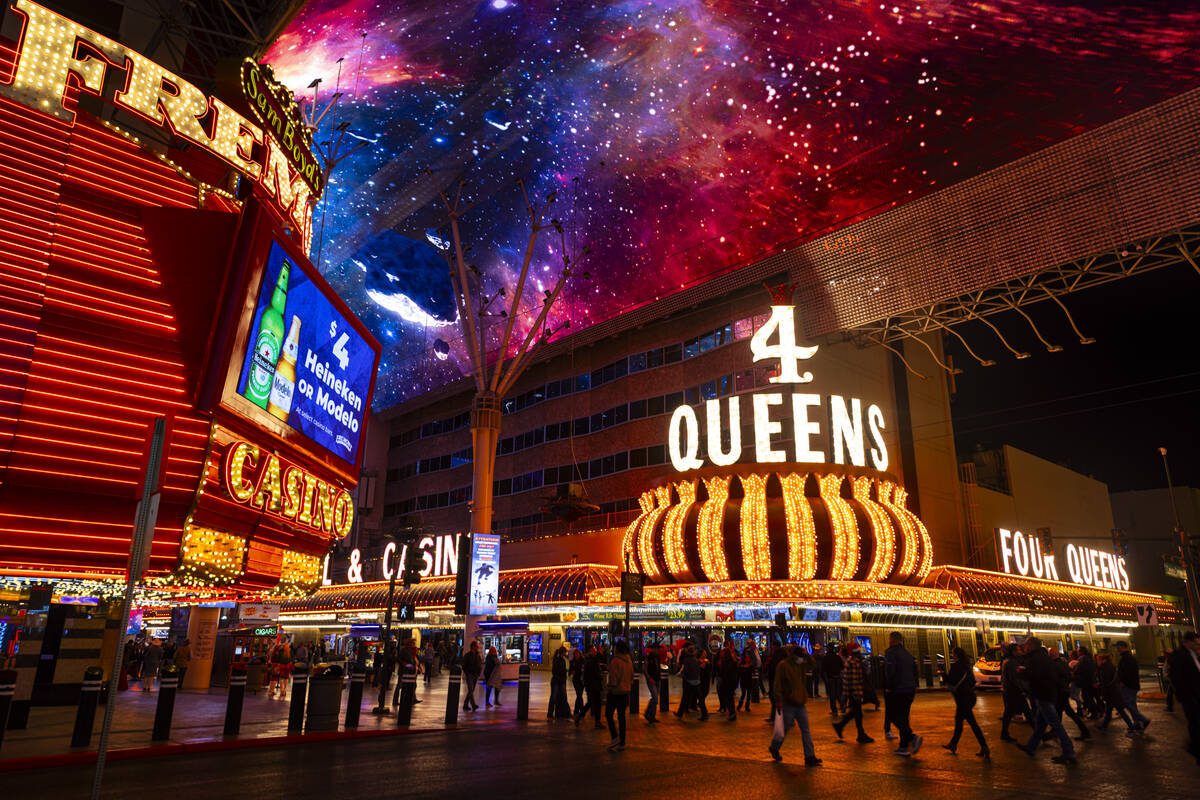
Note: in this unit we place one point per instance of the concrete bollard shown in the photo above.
(89, 698)
(299, 697)
(522, 692)
(237, 694)
(354, 702)
(168, 682)
(408, 694)
(8, 684)
(453, 690)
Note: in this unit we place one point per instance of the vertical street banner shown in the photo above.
(485, 574)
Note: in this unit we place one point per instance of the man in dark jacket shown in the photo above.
(1011, 685)
(472, 665)
(727, 678)
(1062, 672)
(652, 673)
(1043, 689)
(1185, 678)
(559, 708)
(593, 684)
(900, 676)
(778, 654)
(1131, 682)
(832, 666)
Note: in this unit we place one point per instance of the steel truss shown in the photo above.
(1166, 250)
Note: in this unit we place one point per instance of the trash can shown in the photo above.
(324, 700)
(256, 676)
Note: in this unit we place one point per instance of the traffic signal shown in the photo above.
(414, 562)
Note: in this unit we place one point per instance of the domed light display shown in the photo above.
(799, 522)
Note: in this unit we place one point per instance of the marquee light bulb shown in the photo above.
(801, 532)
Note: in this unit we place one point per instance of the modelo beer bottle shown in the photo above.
(283, 385)
(268, 342)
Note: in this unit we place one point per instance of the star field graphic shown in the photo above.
(684, 138)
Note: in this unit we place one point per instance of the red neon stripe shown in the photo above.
(113, 220)
(54, 277)
(111, 180)
(71, 521)
(37, 376)
(51, 288)
(107, 230)
(143, 384)
(61, 257)
(123, 318)
(94, 240)
(36, 471)
(44, 351)
(90, 431)
(47, 208)
(148, 412)
(126, 165)
(74, 343)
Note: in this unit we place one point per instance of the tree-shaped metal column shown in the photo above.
(493, 380)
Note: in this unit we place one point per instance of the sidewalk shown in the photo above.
(200, 717)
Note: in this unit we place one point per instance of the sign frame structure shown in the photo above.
(259, 233)
(484, 592)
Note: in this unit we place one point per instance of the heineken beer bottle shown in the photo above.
(283, 385)
(268, 342)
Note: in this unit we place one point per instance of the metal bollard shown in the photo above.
(523, 692)
(408, 693)
(664, 693)
(299, 697)
(89, 698)
(233, 709)
(453, 689)
(354, 704)
(8, 684)
(633, 696)
(168, 682)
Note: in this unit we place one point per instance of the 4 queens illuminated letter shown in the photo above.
(783, 322)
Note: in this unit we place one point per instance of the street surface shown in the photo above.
(538, 758)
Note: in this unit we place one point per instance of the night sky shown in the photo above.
(1102, 409)
(686, 138)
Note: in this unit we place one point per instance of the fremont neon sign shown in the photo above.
(284, 490)
(47, 60)
(1021, 554)
(856, 432)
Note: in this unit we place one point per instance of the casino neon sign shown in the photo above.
(267, 482)
(55, 50)
(855, 428)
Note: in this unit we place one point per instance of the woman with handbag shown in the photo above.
(962, 686)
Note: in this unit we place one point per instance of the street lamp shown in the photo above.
(1184, 549)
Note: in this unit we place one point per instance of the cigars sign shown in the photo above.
(55, 51)
(263, 480)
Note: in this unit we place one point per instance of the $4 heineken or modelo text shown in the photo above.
(268, 343)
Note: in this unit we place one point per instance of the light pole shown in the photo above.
(1184, 549)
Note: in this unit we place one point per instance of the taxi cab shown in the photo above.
(987, 668)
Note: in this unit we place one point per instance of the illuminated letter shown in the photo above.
(1087, 569)
(144, 94)
(847, 430)
(234, 138)
(240, 456)
(764, 427)
(683, 456)
(879, 454)
(1021, 552)
(1005, 548)
(293, 478)
(783, 319)
(325, 581)
(713, 411)
(1073, 568)
(308, 502)
(1051, 567)
(803, 429)
(47, 58)
(343, 515)
(268, 484)
(388, 551)
(1124, 575)
(328, 501)
(1037, 564)
(425, 544)
(450, 555)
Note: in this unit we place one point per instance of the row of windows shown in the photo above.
(582, 426)
(660, 356)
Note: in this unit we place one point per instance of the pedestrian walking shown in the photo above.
(1062, 674)
(745, 679)
(1012, 690)
(1185, 680)
(152, 658)
(428, 656)
(576, 673)
(472, 666)
(728, 673)
(1130, 679)
(620, 683)
(961, 679)
(183, 659)
(651, 675)
(791, 694)
(853, 679)
(1085, 679)
(831, 667)
(689, 671)
(491, 677)
(1113, 697)
(900, 674)
(778, 654)
(1043, 690)
(558, 707)
(593, 684)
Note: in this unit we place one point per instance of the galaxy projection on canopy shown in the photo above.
(685, 139)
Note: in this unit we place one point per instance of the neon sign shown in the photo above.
(47, 61)
(1021, 554)
(855, 432)
(285, 490)
(438, 553)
